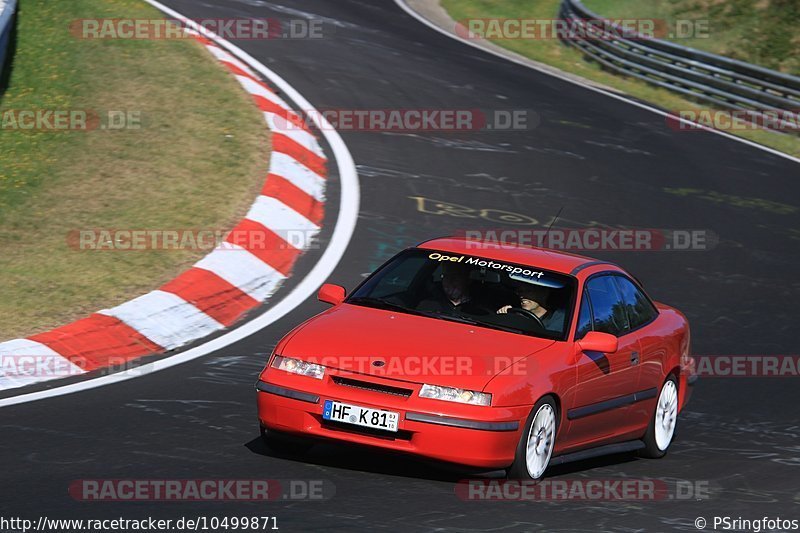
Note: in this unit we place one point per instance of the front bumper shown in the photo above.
(478, 436)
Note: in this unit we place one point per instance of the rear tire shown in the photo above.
(535, 447)
(661, 430)
(285, 443)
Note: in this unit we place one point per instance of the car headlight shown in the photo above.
(451, 394)
(296, 366)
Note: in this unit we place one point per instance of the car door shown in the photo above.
(606, 383)
(642, 315)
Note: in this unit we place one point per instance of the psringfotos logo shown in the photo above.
(757, 525)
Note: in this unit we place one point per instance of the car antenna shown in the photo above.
(547, 233)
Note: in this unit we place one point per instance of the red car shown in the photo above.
(488, 355)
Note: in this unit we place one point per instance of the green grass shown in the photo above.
(553, 52)
(761, 32)
(197, 161)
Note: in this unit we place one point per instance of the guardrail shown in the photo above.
(8, 10)
(710, 78)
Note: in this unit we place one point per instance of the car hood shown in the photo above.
(412, 348)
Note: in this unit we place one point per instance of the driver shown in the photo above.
(532, 299)
(452, 294)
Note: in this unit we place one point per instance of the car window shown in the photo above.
(459, 287)
(607, 308)
(398, 277)
(584, 318)
(638, 308)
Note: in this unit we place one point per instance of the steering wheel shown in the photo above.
(527, 314)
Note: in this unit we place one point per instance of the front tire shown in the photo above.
(662, 426)
(536, 443)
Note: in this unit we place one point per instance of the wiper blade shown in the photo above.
(473, 322)
(389, 306)
(381, 304)
(453, 318)
(506, 328)
(459, 318)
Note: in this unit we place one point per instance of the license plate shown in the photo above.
(360, 416)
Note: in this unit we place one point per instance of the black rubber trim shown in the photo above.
(426, 241)
(462, 423)
(587, 265)
(372, 387)
(645, 394)
(286, 393)
(613, 403)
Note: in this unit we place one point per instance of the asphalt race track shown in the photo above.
(604, 161)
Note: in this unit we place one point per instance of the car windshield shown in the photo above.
(476, 290)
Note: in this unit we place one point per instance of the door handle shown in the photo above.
(634, 358)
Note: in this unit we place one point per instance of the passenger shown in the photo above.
(452, 294)
(532, 298)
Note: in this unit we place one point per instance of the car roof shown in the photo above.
(557, 261)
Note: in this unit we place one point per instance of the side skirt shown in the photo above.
(608, 449)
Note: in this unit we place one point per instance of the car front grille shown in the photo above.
(374, 387)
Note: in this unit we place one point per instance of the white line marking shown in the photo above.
(340, 239)
(402, 4)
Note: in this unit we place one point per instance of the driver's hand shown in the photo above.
(503, 310)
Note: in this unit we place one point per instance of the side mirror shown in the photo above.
(595, 341)
(331, 294)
